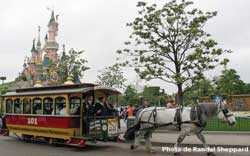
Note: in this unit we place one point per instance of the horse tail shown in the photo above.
(130, 133)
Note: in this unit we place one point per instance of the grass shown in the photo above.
(243, 124)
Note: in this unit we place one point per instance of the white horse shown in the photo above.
(188, 120)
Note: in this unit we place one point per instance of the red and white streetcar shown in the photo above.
(59, 114)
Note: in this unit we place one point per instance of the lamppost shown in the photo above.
(3, 78)
(1, 100)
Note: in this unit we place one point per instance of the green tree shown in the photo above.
(247, 88)
(152, 94)
(199, 88)
(229, 83)
(112, 77)
(168, 42)
(3, 89)
(72, 64)
(130, 96)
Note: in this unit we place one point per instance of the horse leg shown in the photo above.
(201, 137)
(136, 141)
(148, 143)
(179, 141)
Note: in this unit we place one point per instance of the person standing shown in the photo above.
(90, 106)
(130, 110)
(101, 107)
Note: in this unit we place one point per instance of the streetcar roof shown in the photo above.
(64, 89)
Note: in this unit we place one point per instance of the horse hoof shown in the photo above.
(132, 147)
(210, 154)
(151, 151)
(177, 154)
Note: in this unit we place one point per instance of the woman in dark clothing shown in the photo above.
(90, 106)
(100, 108)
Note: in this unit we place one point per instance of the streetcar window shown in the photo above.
(37, 106)
(9, 106)
(75, 106)
(47, 106)
(60, 106)
(17, 106)
(26, 106)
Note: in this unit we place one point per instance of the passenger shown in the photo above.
(90, 106)
(63, 110)
(17, 106)
(37, 109)
(110, 109)
(17, 109)
(47, 109)
(101, 107)
(27, 109)
(121, 112)
(75, 110)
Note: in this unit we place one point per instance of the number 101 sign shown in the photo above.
(32, 121)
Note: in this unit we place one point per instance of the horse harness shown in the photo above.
(195, 116)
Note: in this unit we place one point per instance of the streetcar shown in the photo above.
(36, 114)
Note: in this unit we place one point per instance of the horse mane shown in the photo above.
(209, 108)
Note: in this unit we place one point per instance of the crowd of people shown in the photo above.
(131, 110)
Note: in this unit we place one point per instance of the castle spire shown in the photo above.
(46, 38)
(52, 33)
(38, 45)
(52, 18)
(63, 48)
(33, 49)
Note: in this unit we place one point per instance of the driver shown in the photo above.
(101, 107)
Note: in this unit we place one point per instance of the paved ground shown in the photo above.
(231, 139)
(211, 138)
(10, 146)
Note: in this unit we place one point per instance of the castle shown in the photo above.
(40, 68)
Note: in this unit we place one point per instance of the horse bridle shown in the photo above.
(224, 111)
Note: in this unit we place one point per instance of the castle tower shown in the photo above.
(38, 44)
(33, 60)
(34, 53)
(39, 69)
(51, 46)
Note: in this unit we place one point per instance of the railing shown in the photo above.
(242, 124)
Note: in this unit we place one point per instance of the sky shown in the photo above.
(99, 28)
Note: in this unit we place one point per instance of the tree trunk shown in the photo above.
(179, 98)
